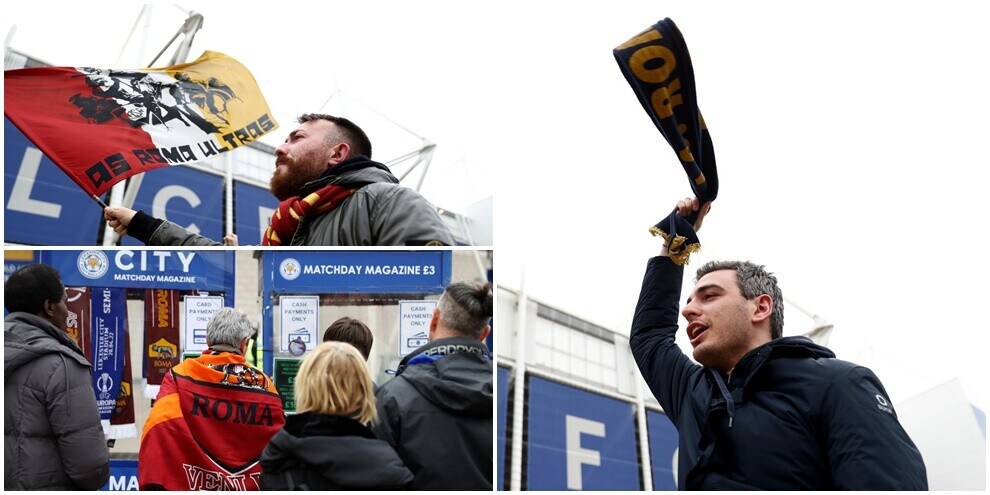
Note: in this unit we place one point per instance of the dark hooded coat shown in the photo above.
(319, 452)
(52, 434)
(437, 413)
(792, 417)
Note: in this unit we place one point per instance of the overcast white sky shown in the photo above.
(851, 140)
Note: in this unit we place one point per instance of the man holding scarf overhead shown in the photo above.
(757, 410)
(213, 417)
(331, 194)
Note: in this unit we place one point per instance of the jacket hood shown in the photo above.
(28, 337)
(799, 346)
(358, 171)
(752, 361)
(339, 449)
(455, 374)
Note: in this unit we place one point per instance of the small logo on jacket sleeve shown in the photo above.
(883, 405)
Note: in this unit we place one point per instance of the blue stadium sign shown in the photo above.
(185, 196)
(159, 269)
(330, 272)
(579, 440)
(253, 209)
(663, 450)
(503, 405)
(42, 205)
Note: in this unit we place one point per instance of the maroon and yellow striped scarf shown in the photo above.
(291, 211)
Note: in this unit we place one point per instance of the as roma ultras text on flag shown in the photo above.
(102, 126)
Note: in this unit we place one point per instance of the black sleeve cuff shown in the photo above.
(143, 226)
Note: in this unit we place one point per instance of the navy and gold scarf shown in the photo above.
(658, 67)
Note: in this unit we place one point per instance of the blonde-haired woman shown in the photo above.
(327, 445)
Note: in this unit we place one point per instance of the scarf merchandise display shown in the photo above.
(109, 326)
(657, 66)
(122, 419)
(213, 417)
(77, 325)
(161, 333)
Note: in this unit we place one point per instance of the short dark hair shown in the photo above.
(27, 289)
(754, 281)
(466, 307)
(349, 132)
(351, 331)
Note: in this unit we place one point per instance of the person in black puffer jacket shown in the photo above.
(328, 445)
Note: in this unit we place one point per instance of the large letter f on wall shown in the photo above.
(576, 455)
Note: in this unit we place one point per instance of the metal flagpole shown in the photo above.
(229, 185)
(519, 384)
(189, 27)
(124, 193)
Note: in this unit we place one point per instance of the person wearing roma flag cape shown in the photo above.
(331, 193)
(101, 126)
(213, 417)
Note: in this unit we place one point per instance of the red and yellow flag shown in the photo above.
(102, 126)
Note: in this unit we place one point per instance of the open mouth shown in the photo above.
(695, 331)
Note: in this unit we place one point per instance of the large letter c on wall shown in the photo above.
(160, 203)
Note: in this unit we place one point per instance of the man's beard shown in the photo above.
(288, 182)
(284, 185)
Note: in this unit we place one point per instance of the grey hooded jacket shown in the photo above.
(437, 413)
(52, 434)
(379, 213)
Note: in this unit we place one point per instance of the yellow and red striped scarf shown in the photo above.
(290, 212)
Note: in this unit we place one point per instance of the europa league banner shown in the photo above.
(161, 333)
(122, 420)
(109, 317)
(78, 323)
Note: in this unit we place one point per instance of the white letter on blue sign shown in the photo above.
(123, 483)
(577, 456)
(20, 194)
(167, 193)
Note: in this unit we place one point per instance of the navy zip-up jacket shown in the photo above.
(792, 417)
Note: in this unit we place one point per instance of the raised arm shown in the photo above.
(666, 369)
